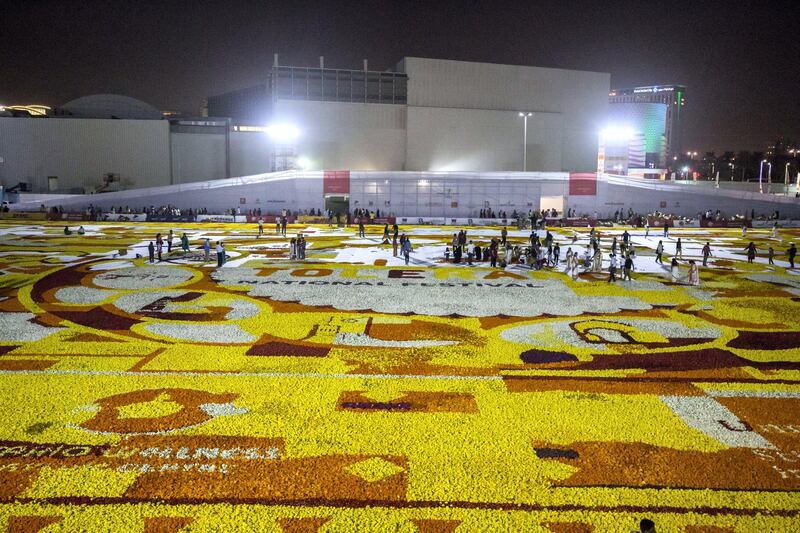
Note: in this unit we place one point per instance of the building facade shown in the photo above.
(430, 114)
(421, 115)
(655, 112)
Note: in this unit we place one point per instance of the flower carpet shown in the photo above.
(353, 392)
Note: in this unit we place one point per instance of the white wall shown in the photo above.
(447, 194)
(336, 135)
(580, 97)
(250, 153)
(198, 157)
(80, 151)
(452, 139)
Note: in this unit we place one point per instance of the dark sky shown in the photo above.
(740, 61)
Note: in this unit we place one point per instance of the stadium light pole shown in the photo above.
(769, 177)
(525, 116)
(283, 136)
(760, 174)
(786, 179)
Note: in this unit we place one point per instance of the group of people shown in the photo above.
(68, 231)
(498, 252)
(156, 249)
(297, 248)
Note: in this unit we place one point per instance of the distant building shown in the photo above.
(421, 115)
(654, 112)
(429, 114)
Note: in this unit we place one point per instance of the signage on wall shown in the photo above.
(336, 182)
(242, 200)
(582, 184)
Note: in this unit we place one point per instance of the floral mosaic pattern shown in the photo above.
(353, 392)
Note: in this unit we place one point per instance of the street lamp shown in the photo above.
(525, 116)
(760, 174)
(769, 177)
(786, 178)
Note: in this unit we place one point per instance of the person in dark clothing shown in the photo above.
(706, 253)
(151, 252)
(751, 251)
(792, 252)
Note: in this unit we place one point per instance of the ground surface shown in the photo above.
(351, 392)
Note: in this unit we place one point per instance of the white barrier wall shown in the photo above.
(441, 195)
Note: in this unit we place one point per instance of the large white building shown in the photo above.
(422, 115)
(431, 114)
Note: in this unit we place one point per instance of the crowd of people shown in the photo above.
(500, 251)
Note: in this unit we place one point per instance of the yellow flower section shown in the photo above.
(278, 395)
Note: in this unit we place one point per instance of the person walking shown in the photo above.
(260, 228)
(647, 228)
(184, 243)
(706, 253)
(612, 268)
(406, 249)
(674, 271)
(627, 268)
(151, 252)
(659, 253)
(771, 255)
(556, 253)
(666, 229)
(791, 252)
(751, 252)
(169, 242)
(220, 254)
(504, 234)
(394, 245)
(206, 251)
(159, 246)
(679, 249)
(361, 232)
(694, 273)
(284, 222)
(597, 261)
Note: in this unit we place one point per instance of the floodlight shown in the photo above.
(303, 162)
(283, 133)
(617, 133)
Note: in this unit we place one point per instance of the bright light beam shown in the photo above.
(283, 133)
(616, 133)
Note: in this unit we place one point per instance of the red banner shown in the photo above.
(582, 184)
(336, 182)
(706, 223)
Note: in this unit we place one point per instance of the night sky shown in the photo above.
(740, 61)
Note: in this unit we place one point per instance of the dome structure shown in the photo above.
(110, 106)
